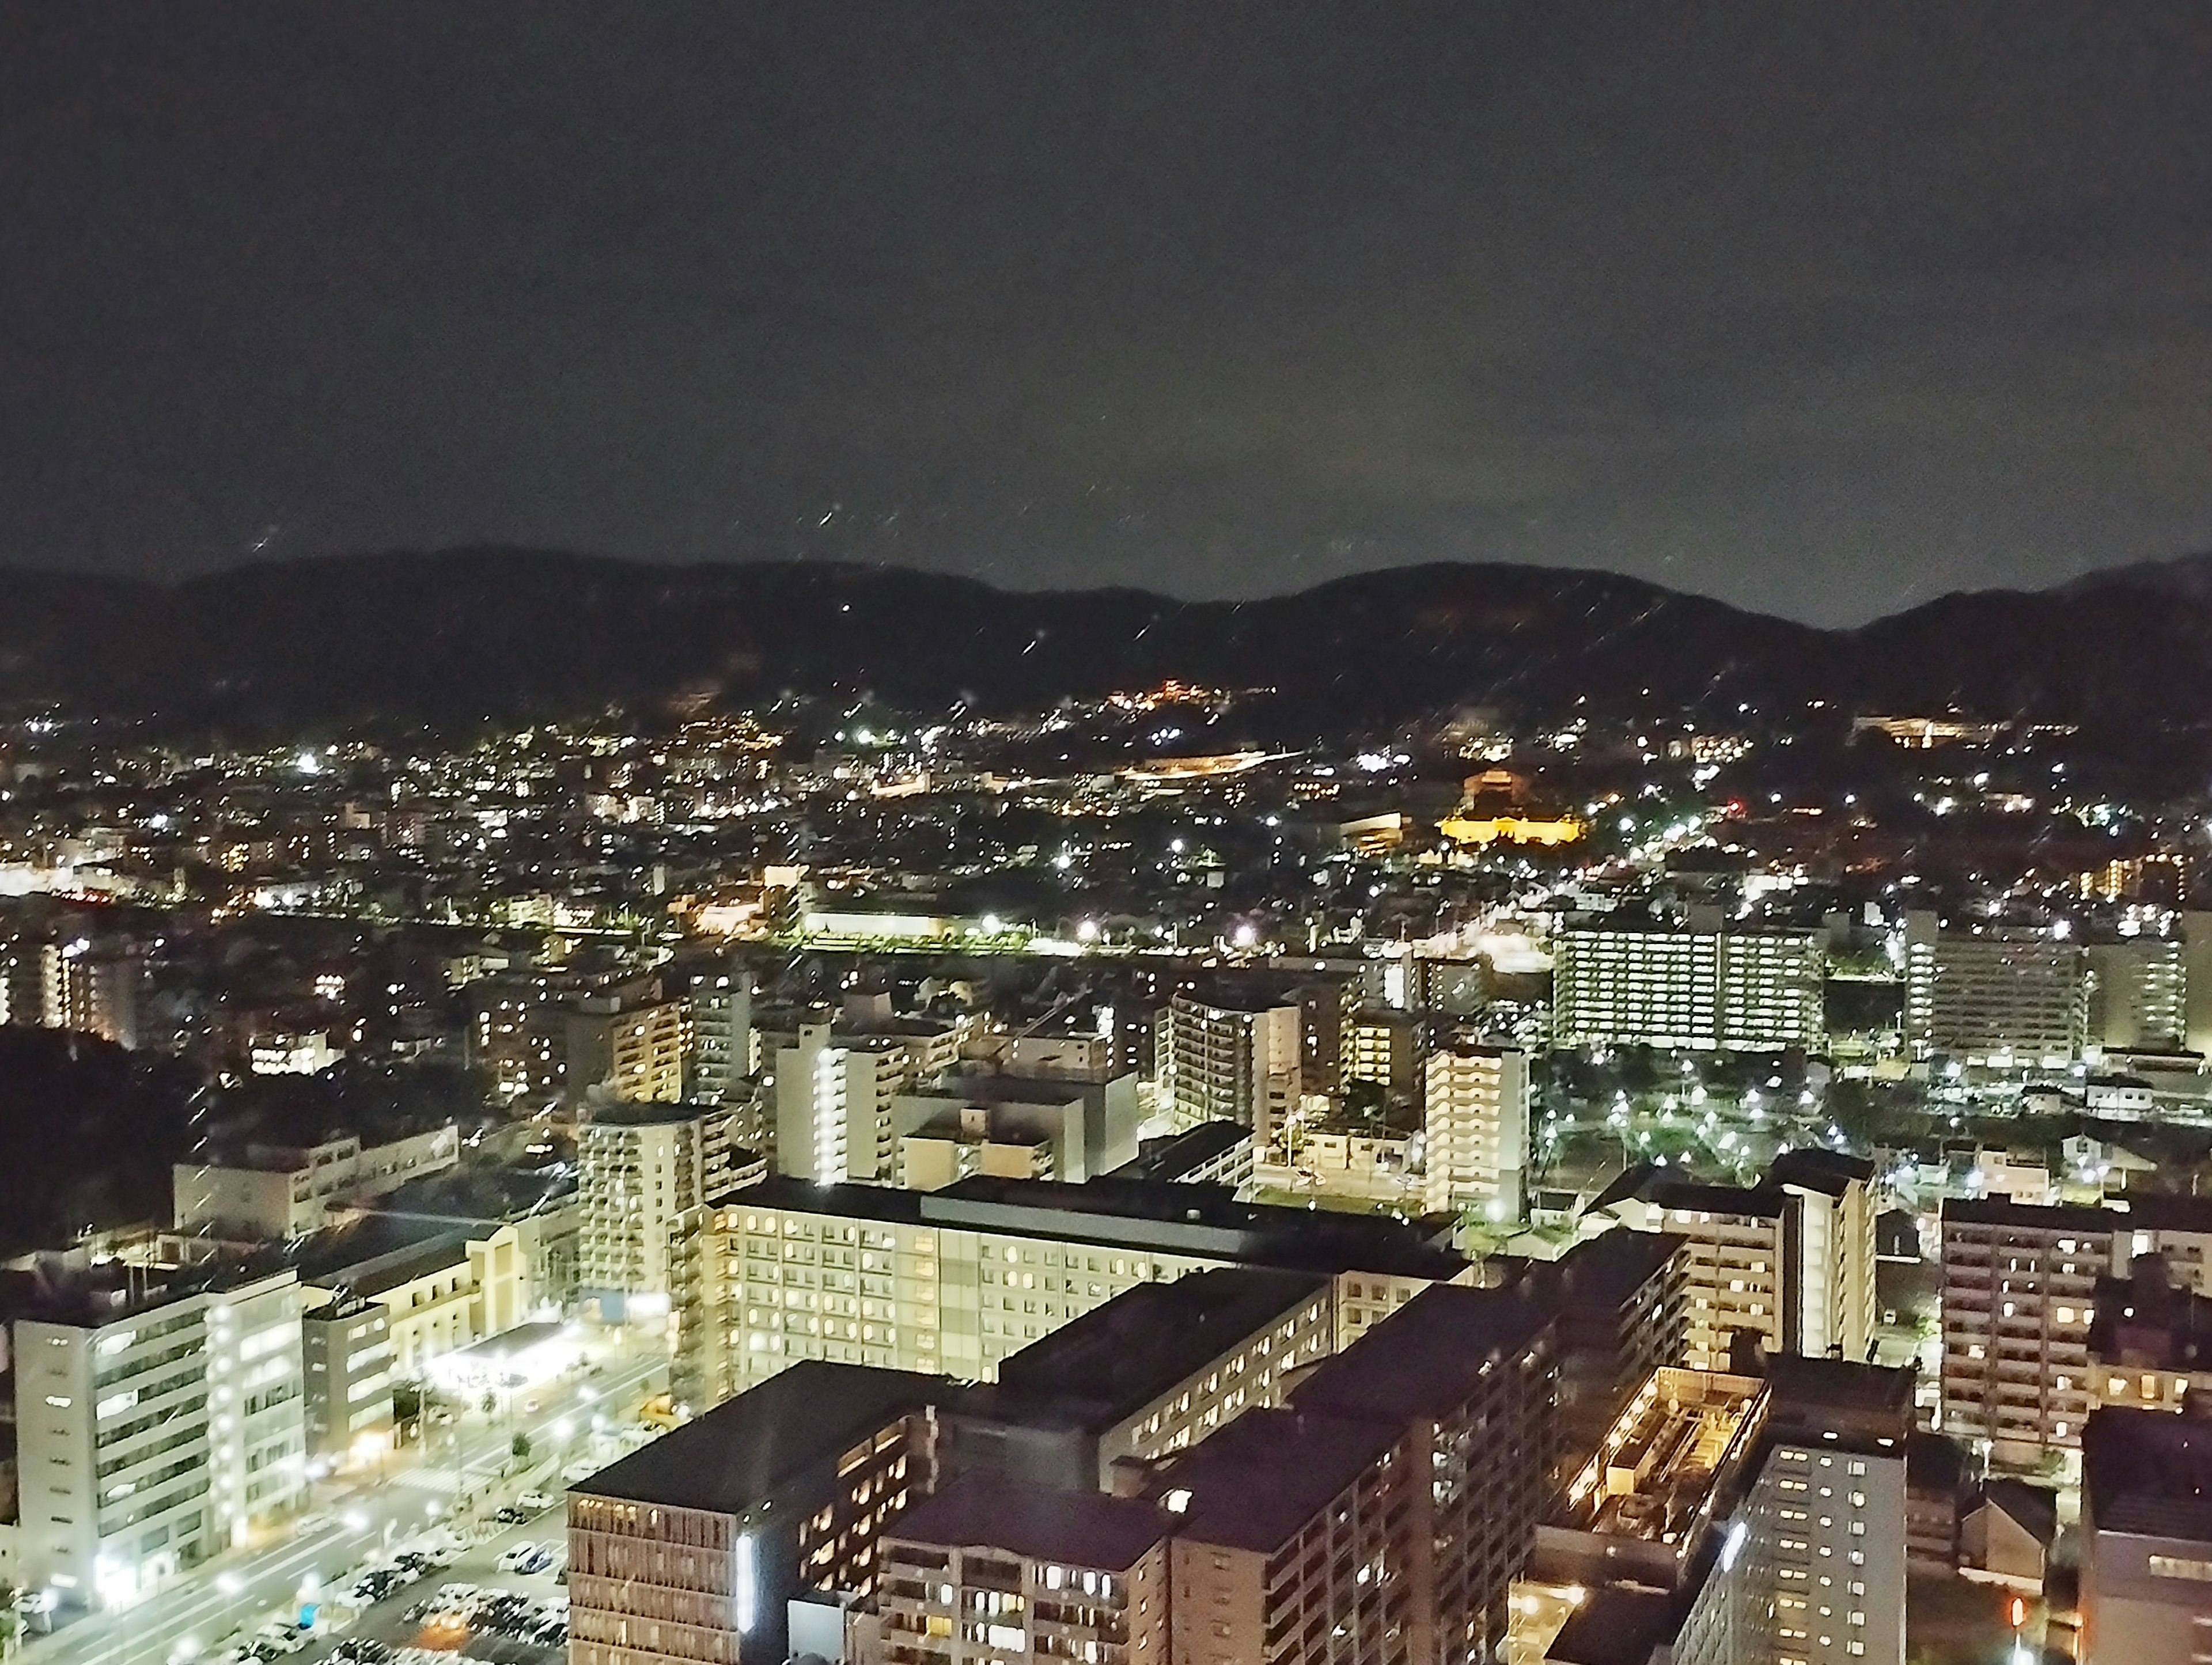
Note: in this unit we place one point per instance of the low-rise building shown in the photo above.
(269, 1192)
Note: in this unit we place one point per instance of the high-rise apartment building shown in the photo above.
(1475, 1129)
(2018, 1296)
(644, 1173)
(516, 1034)
(1740, 1245)
(1468, 1378)
(988, 1573)
(1384, 1049)
(154, 1425)
(1160, 1366)
(1997, 993)
(1733, 990)
(833, 1098)
(1818, 1566)
(1831, 1267)
(1227, 1060)
(717, 1024)
(631, 1047)
(690, 1551)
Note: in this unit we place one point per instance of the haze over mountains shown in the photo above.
(461, 636)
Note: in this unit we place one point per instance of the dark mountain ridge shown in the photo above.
(461, 636)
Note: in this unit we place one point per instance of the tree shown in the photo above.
(520, 1447)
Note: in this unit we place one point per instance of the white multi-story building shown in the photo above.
(278, 1191)
(1735, 1271)
(952, 1282)
(1475, 1129)
(1997, 995)
(644, 1171)
(1833, 1252)
(154, 1428)
(833, 1105)
(1230, 1062)
(1733, 990)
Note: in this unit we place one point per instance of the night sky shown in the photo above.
(1820, 308)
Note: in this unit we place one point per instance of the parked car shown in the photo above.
(534, 1500)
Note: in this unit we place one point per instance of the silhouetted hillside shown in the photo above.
(461, 636)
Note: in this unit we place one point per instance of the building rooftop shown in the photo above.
(1254, 1483)
(1835, 1391)
(1166, 1160)
(1811, 1169)
(1602, 1274)
(1203, 1221)
(744, 1449)
(2030, 1217)
(1122, 1356)
(628, 1113)
(1667, 1188)
(64, 1287)
(1617, 1625)
(1426, 1359)
(1656, 1473)
(980, 1087)
(372, 1252)
(2148, 1473)
(1081, 1528)
(480, 1193)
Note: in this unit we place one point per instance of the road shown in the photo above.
(357, 1517)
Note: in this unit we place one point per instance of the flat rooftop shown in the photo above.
(1122, 1356)
(372, 1252)
(1163, 1160)
(1653, 1474)
(745, 1449)
(1256, 1482)
(1203, 1221)
(2147, 1473)
(1080, 1529)
(1426, 1359)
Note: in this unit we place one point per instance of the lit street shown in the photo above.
(355, 1517)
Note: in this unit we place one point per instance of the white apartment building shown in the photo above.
(953, 1282)
(644, 1172)
(1733, 990)
(269, 1192)
(1475, 1129)
(1832, 1250)
(1735, 1268)
(153, 1432)
(1997, 995)
(834, 1102)
(1224, 1061)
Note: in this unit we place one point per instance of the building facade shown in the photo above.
(1997, 995)
(1475, 1130)
(1739, 991)
(1231, 1062)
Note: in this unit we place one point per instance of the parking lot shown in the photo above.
(436, 1600)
